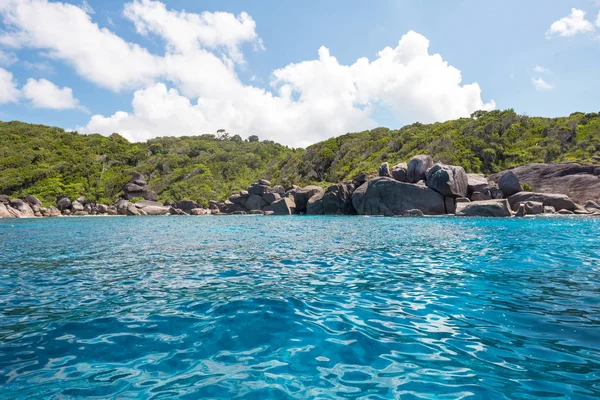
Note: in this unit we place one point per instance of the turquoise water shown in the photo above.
(300, 307)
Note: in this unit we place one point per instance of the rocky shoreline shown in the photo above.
(417, 188)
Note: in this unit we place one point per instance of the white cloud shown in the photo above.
(541, 70)
(45, 94)
(598, 20)
(541, 85)
(85, 6)
(66, 32)
(571, 25)
(7, 59)
(314, 99)
(8, 87)
(186, 32)
(194, 87)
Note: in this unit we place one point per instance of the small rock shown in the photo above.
(565, 212)
(400, 172)
(478, 196)
(418, 166)
(384, 170)
(413, 213)
(264, 182)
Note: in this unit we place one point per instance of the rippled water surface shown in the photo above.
(300, 307)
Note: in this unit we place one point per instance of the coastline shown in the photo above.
(415, 188)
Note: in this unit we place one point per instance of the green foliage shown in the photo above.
(487, 142)
(527, 187)
(47, 161)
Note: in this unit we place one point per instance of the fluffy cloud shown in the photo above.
(67, 33)
(8, 87)
(194, 88)
(541, 70)
(186, 32)
(45, 94)
(571, 25)
(313, 99)
(541, 85)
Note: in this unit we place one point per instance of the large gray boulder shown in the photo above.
(231, 208)
(448, 180)
(155, 209)
(487, 208)
(509, 183)
(4, 211)
(63, 203)
(148, 203)
(53, 212)
(302, 195)
(558, 201)
(573, 179)
(259, 189)
(133, 210)
(418, 166)
(592, 206)
(478, 183)
(4, 199)
(271, 197)
(239, 198)
(315, 204)
(278, 189)
(186, 205)
(337, 199)
(255, 202)
(76, 206)
(33, 201)
(22, 207)
(384, 170)
(283, 206)
(121, 206)
(400, 172)
(386, 196)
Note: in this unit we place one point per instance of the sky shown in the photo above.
(293, 72)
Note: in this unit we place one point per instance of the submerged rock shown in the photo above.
(487, 208)
(413, 213)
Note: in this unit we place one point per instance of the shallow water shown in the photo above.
(300, 307)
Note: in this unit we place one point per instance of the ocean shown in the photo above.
(300, 307)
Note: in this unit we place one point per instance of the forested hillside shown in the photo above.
(48, 162)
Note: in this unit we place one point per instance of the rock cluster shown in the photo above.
(419, 187)
(138, 187)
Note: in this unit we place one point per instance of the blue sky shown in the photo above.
(264, 73)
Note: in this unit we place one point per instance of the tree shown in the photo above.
(253, 138)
